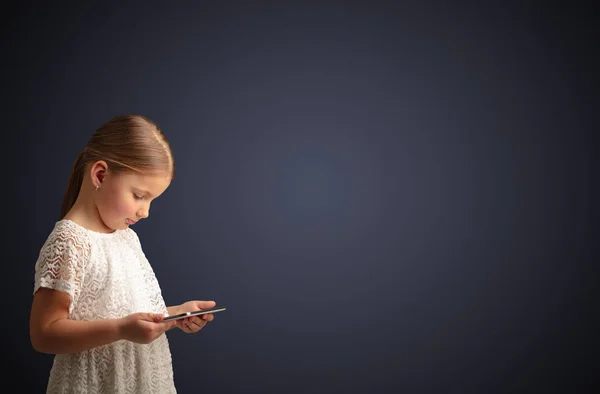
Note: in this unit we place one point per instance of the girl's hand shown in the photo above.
(194, 324)
(143, 327)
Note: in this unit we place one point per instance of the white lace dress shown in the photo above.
(107, 276)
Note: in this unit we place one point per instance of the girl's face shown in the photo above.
(125, 198)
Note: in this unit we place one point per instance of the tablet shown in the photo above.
(196, 313)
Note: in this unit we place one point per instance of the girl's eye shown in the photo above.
(137, 197)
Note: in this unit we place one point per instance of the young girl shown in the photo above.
(97, 304)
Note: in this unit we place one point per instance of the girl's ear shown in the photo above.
(98, 172)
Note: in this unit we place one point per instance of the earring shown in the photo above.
(96, 187)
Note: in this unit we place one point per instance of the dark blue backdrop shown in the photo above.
(388, 198)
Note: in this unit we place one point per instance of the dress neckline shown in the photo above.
(95, 233)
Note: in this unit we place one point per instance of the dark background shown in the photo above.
(387, 197)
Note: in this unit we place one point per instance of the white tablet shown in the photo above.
(195, 313)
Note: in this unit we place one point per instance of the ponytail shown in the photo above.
(74, 185)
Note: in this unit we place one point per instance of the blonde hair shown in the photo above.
(128, 143)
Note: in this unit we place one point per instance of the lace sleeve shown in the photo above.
(61, 263)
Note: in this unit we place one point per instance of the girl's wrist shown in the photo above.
(173, 310)
(119, 328)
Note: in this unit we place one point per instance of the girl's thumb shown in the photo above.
(157, 317)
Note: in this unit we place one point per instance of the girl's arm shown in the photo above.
(173, 310)
(51, 331)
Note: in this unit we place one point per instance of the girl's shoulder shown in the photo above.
(68, 230)
(66, 241)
